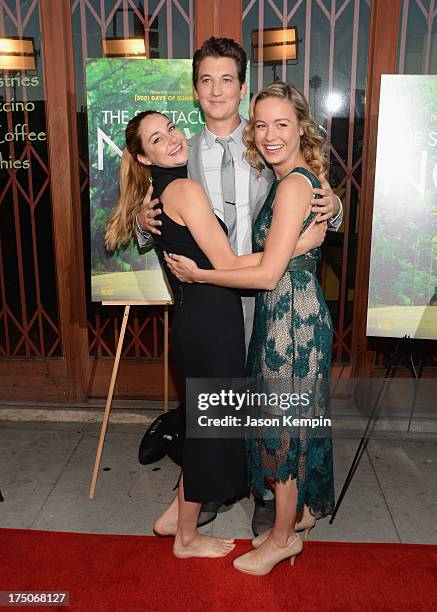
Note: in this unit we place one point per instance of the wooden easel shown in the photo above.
(127, 306)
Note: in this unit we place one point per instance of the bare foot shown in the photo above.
(202, 546)
(167, 523)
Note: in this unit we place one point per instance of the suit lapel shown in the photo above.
(254, 185)
(195, 166)
(258, 190)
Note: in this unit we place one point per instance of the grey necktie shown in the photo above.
(228, 192)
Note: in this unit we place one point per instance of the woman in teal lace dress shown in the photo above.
(292, 334)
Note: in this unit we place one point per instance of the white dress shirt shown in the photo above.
(212, 153)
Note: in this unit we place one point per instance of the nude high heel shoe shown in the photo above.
(305, 525)
(249, 565)
(306, 528)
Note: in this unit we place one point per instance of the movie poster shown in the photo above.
(403, 269)
(117, 89)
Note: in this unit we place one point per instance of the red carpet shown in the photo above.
(130, 573)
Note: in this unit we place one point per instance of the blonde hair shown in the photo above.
(311, 141)
(135, 179)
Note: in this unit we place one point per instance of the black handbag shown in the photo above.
(163, 437)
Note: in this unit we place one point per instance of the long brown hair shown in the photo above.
(134, 182)
(311, 141)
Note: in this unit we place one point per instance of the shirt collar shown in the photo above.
(237, 134)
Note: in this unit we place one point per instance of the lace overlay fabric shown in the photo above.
(291, 344)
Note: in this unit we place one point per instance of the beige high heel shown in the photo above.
(305, 525)
(249, 565)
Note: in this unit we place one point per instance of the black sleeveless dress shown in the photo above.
(207, 341)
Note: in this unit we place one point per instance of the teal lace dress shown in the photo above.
(291, 341)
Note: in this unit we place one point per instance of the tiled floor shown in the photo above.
(46, 467)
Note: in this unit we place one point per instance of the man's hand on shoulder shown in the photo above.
(329, 204)
(146, 216)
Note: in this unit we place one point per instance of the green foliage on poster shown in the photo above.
(403, 271)
(117, 89)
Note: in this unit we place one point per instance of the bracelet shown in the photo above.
(143, 233)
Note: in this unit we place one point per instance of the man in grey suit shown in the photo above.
(234, 190)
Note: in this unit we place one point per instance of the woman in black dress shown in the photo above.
(207, 333)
